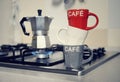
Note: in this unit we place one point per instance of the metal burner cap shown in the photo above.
(42, 56)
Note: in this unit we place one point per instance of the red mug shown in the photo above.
(78, 18)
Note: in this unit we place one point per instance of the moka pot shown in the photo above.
(40, 27)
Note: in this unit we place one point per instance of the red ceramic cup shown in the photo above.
(78, 18)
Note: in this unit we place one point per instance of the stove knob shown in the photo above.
(95, 55)
(101, 52)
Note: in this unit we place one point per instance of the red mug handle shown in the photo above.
(97, 20)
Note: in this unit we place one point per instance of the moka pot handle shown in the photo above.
(23, 26)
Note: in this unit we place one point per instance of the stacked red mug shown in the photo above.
(79, 18)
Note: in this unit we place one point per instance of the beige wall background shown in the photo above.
(105, 35)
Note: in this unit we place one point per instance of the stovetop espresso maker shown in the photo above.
(40, 27)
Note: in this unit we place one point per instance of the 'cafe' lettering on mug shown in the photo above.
(72, 49)
(76, 13)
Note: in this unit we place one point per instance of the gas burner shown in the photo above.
(41, 54)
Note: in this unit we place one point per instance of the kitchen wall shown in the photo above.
(10, 32)
(114, 23)
(6, 31)
(106, 34)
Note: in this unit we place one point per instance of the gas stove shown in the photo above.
(49, 59)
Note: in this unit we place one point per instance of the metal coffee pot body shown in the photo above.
(40, 27)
